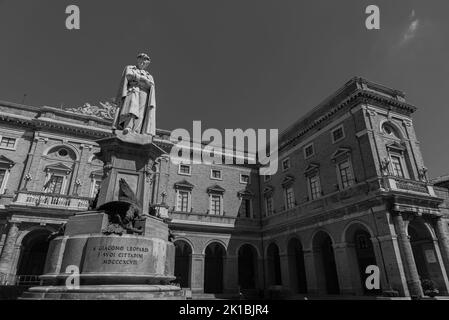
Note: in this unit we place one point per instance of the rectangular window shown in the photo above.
(309, 151)
(285, 164)
(183, 201)
(397, 166)
(244, 178)
(289, 198)
(315, 187)
(215, 204)
(184, 169)
(338, 134)
(55, 186)
(215, 174)
(2, 179)
(245, 208)
(8, 143)
(346, 176)
(269, 205)
(96, 188)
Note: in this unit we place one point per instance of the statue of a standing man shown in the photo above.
(136, 99)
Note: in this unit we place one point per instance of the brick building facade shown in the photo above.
(351, 191)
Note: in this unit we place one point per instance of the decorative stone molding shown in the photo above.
(184, 184)
(149, 172)
(396, 146)
(245, 194)
(106, 110)
(371, 112)
(5, 162)
(385, 166)
(268, 190)
(407, 123)
(422, 174)
(341, 153)
(86, 146)
(216, 189)
(312, 169)
(288, 181)
(58, 167)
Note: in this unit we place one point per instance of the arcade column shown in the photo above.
(197, 270)
(285, 270)
(309, 262)
(411, 272)
(231, 274)
(385, 283)
(8, 252)
(342, 261)
(443, 239)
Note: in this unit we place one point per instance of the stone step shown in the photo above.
(212, 296)
(352, 297)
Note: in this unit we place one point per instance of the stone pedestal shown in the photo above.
(131, 157)
(110, 266)
(109, 254)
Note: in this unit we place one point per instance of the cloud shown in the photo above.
(412, 29)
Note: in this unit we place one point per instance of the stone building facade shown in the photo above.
(351, 191)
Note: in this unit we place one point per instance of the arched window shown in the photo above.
(62, 152)
(96, 179)
(246, 204)
(390, 131)
(216, 200)
(183, 202)
(397, 158)
(5, 168)
(289, 193)
(343, 163)
(57, 178)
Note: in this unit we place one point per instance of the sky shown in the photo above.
(234, 63)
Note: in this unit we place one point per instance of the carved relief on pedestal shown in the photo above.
(150, 171)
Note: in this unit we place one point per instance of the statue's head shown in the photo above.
(143, 61)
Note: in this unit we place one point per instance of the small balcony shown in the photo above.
(407, 185)
(48, 200)
(201, 219)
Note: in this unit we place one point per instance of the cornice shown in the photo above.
(6, 117)
(357, 97)
(71, 127)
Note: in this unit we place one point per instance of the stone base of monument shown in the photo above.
(105, 292)
(108, 266)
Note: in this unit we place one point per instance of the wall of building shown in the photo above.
(378, 203)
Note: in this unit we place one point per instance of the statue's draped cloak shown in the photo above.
(149, 114)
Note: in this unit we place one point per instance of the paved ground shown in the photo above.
(305, 297)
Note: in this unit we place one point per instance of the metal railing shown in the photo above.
(48, 200)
